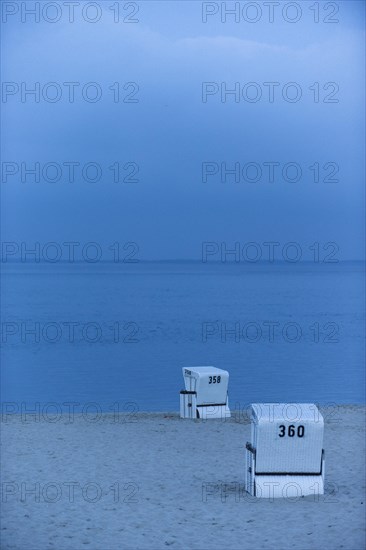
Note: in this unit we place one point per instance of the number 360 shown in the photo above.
(291, 431)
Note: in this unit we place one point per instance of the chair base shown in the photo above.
(207, 412)
(274, 485)
(190, 409)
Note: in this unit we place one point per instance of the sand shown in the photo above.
(156, 481)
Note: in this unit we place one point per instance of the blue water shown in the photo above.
(162, 308)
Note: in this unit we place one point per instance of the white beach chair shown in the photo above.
(285, 457)
(206, 393)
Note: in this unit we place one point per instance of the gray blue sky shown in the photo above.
(170, 131)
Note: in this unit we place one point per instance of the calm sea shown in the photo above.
(116, 334)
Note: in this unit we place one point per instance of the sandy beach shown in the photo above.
(153, 481)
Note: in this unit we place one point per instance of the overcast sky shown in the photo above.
(171, 123)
